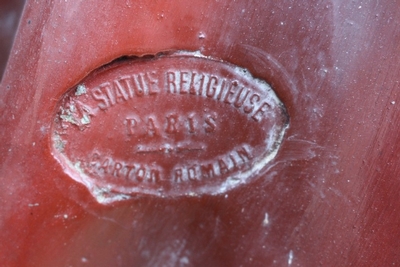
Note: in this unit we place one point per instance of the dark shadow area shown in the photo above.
(10, 13)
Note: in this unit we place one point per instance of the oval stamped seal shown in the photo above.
(178, 124)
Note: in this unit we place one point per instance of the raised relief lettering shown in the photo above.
(130, 125)
(180, 124)
(172, 124)
(172, 120)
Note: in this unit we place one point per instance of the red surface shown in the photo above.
(171, 125)
(331, 193)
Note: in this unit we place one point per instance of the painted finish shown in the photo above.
(167, 126)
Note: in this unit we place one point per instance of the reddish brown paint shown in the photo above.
(331, 193)
(168, 126)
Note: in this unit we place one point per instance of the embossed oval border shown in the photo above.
(105, 196)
